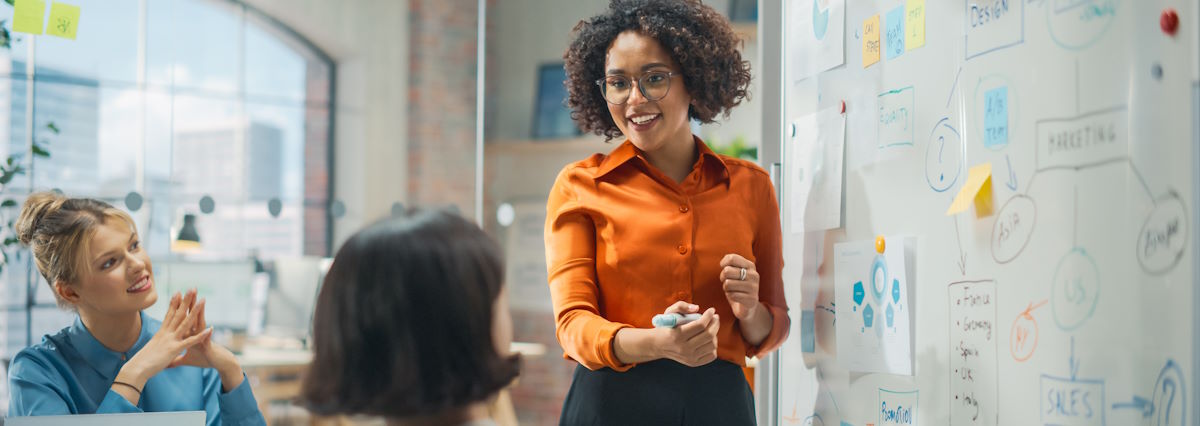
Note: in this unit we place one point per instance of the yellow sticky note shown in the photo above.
(977, 190)
(27, 16)
(914, 24)
(64, 20)
(870, 41)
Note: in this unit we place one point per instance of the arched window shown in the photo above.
(166, 108)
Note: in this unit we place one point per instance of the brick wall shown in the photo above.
(441, 96)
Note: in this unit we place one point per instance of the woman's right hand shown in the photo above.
(175, 335)
(693, 344)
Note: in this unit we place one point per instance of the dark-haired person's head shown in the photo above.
(412, 322)
(681, 52)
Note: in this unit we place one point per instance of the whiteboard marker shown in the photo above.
(673, 320)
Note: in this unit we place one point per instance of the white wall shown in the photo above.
(369, 42)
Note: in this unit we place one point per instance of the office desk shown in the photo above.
(274, 374)
(277, 374)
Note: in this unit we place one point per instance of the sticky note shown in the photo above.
(977, 190)
(870, 41)
(914, 24)
(895, 32)
(64, 20)
(995, 117)
(27, 16)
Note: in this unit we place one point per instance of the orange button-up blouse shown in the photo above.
(624, 242)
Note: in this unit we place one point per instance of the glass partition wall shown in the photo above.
(168, 109)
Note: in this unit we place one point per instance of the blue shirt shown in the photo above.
(72, 373)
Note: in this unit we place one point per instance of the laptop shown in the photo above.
(174, 418)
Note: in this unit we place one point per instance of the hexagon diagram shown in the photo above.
(891, 316)
(868, 316)
(859, 293)
(896, 291)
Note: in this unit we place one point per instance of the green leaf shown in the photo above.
(10, 241)
(52, 127)
(7, 177)
(10, 160)
(9, 203)
(40, 152)
(10, 2)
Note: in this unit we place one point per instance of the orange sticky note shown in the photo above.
(27, 16)
(977, 190)
(870, 41)
(64, 20)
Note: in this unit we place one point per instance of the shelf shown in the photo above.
(748, 31)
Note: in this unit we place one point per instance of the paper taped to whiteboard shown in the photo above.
(814, 171)
(874, 314)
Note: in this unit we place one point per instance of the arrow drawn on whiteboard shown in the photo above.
(1074, 361)
(952, 86)
(1138, 403)
(1012, 175)
(962, 256)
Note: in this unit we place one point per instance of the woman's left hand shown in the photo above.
(740, 282)
(206, 354)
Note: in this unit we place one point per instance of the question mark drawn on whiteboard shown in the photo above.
(942, 171)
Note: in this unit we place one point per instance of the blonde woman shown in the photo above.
(114, 358)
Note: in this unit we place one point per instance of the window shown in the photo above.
(174, 101)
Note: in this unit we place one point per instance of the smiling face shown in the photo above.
(117, 277)
(650, 125)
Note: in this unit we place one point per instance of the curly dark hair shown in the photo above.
(698, 37)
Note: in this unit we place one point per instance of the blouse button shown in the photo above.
(683, 208)
(682, 249)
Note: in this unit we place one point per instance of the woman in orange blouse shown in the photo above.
(661, 225)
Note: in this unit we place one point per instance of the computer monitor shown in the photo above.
(174, 418)
(293, 295)
(225, 285)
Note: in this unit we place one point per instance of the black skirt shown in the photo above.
(661, 392)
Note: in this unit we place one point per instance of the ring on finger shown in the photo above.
(743, 277)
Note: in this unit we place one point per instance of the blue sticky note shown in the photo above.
(995, 118)
(895, 32)
(808, 343)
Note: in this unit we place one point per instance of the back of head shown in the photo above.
(403, 323)
(58, 230)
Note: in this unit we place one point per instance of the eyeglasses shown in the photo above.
(654, 85)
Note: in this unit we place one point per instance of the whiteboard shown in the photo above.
(1079, 286)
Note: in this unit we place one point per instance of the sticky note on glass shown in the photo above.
(995, 118)
(27, 16)
(914, 24)
(870, 41)
(895, 32)
(64, 20)
(977, 190)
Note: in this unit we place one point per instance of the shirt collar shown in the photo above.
(104, 360)
(627, 151)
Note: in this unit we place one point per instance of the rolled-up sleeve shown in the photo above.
(585, 335)
(768, 250)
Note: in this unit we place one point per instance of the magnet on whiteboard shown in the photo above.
(880, 244)
(1169, 21)
(843, 107)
